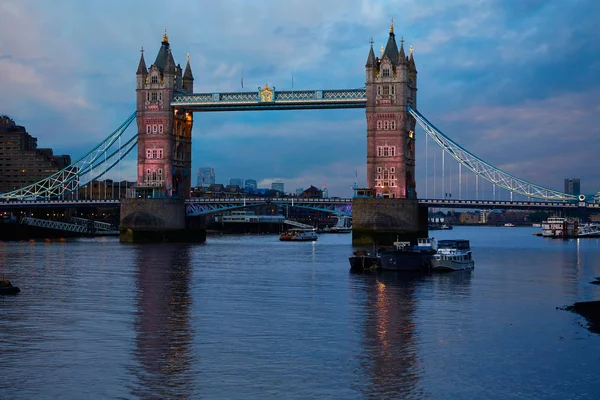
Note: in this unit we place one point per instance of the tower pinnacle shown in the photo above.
(165, 38)
(392, 26)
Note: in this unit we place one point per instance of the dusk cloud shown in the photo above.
(516, 83)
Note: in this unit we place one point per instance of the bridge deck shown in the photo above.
(267, 99)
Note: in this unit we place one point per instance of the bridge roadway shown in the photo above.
(342, 206)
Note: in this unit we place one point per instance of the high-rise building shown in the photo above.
(22, 162)
(325, 192)
(299, 191)
(573, 186)
(277, 185)
(206, 176)
(250, 184)
(237, 181)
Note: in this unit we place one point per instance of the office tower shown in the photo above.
(573, 186)
(277, 185)
(250, 184)
(206, 176)
(237, 181)
(23, 163)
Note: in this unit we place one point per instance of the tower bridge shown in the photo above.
(166, 104)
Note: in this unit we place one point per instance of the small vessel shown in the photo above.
(409, 258)
(7, 288)
(559, 227)
(508, 224)
(452, 255)
(588, 230)
(364, 261)
(298, 235)
(344, 225)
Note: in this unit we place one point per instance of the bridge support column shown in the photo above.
(381, 221)
(159, 220)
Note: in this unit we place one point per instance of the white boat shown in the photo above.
(509, 224)
(344, 225)
(298, 235)
(588, 230)
(559, 227)
(452, 255)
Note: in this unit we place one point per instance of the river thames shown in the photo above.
(251, 317)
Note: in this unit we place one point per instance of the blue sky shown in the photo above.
(516, 82)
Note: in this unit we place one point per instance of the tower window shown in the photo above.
(154, 96)
(379, 124)
(154, 79)
(385, 73)
(386, 90)
(392, 125)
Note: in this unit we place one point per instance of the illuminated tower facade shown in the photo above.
(391, 85)
(164, 133)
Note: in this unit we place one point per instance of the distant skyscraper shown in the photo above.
(236, 181)
(206, 176)
(573, 186)
(325, 192)
(299, 191)
(277, 185)
(250, 184)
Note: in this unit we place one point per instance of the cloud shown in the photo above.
(494, 75)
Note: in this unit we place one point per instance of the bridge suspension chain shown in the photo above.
(488, 172)
(81, 172)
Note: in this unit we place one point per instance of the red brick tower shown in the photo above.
(164, 134)
(391, 86)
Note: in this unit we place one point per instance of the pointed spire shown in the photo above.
(411, 61)
(392, 26)
(187, 74)
(371, 57)
(391, 48)
(165, 38)
(142, 65)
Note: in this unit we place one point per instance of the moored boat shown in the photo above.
(362, 261)
(452, 255)
(298, 235)
(7, 288)
(588, 230)
(409, 258)
(559, 227)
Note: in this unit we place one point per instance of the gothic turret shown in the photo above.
(188, 78)
(142, 71)
(371, 58)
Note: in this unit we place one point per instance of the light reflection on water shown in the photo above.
(252, 317)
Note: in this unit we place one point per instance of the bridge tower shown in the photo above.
(164, 133)
(391, 85)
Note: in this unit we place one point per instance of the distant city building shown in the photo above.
(483, 215)
(277, 185)
(573, 186)
(250, 184)
(22, 162)
(206, 176)
(237, 181)
(325, 192)
(299, 191)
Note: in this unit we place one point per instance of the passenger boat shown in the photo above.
(298, 235)
(588, 230)
(409, 258)
(452, 255)
(7, 288)
(363, 261)
(559, 227)
(509, 224)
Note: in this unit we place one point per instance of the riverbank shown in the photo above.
(590, 310)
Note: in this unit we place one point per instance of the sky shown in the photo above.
(515, 82)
